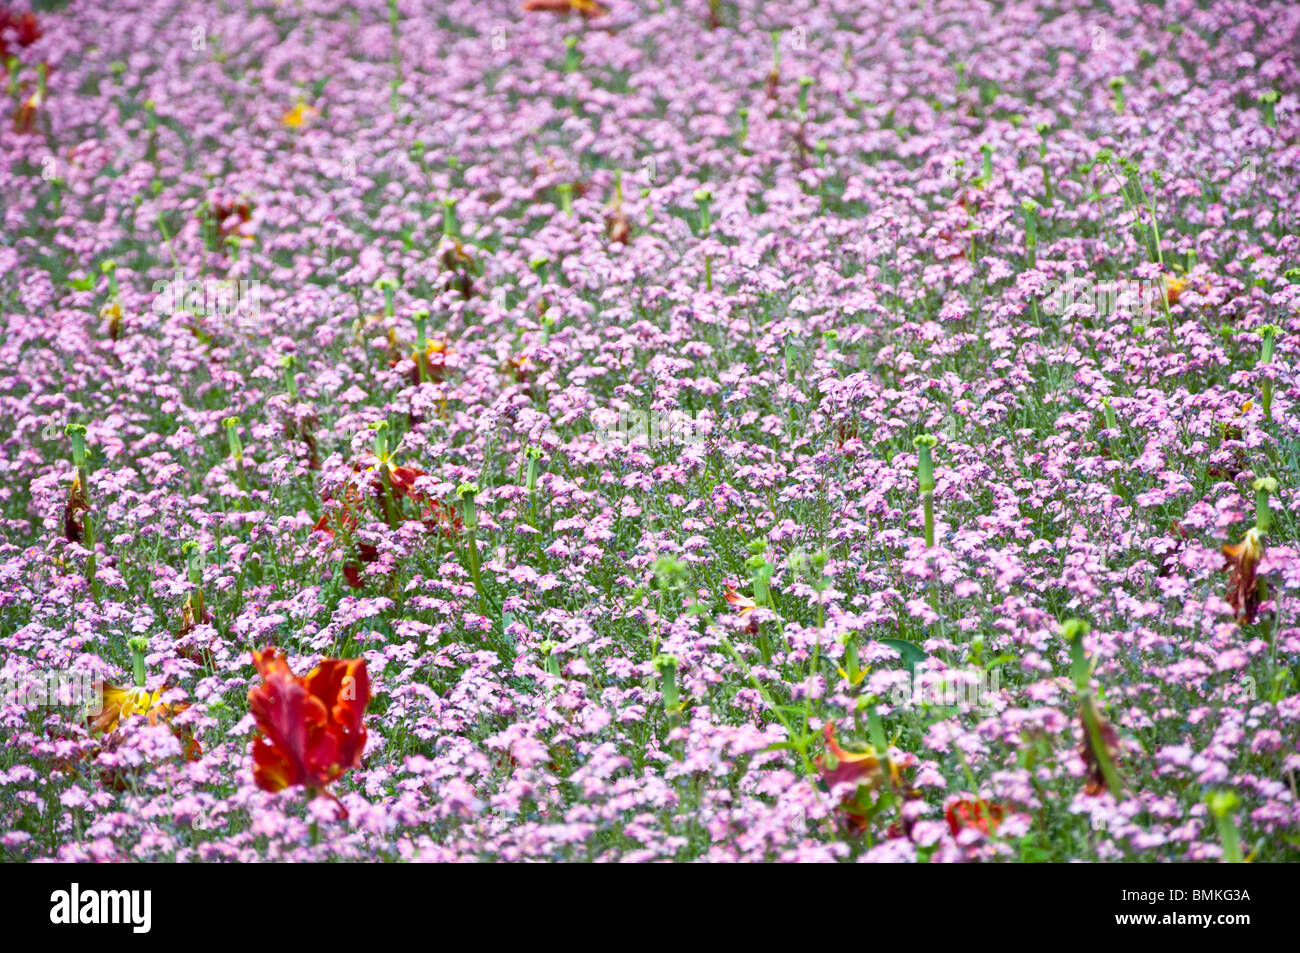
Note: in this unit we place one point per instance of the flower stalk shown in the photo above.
(572, 55)
(1268, 333)
(667, 667)
(237, 454)
(1117, 88)
(702, 199)
(465, 494)
(924, 445)
(1030, 208)
(534, 456)
(77, 436)
(197, 611)
(1100, 742)
(1264, 487)
(448, 217)
(422, 343)
(289, 363)
(395, 29)
(385, 457)
(1266, 100)
(804, 83)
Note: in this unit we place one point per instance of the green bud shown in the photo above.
(193, 561)
(138, 644)
(421, 318)
(381, 439)
(289, 363)
(1269, 334)
(232, 438)
(1221, 803)
(1267, 101)
(77, 435)
(669, 572)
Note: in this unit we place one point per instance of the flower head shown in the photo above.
(745, 607)
(122, 703)
(384, 479)
(1244, 588)
(20, 29)
(1097, 762)
(861, 769)
(588, 8)
(864, 766)
(76, 506)
(298, 115)
(983, 816)
(311, 728)
(1174, 287)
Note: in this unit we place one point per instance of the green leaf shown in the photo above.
(782, 746)
(912, 653)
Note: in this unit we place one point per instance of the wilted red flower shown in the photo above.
(617, 225)
(1171, 550)
(983, 816)
(859, 768)
(461, 264)
(772, 84)
(434, 514)
(1096, 773)
(25, 114)
(435, 357)
(588, 8)
(1244, 586)
(746, 606)
(73, 509)
(311, 728)
(952, 231)
(17, 30)
(521, 366)
(230, 218)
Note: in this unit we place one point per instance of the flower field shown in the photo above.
(672, 430)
